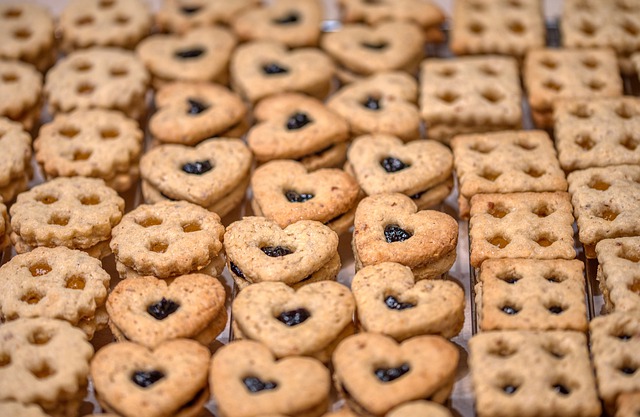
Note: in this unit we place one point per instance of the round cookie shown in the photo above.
(15, 159)
(20, 88)
(180, 16)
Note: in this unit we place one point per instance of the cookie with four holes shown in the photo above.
(619, 273)
(285, 192)
(390, 228)
(295, 126)
(180, 16)
(21, 87)
(247, 380)
(15, 159)
(168, 380)
(420, 169)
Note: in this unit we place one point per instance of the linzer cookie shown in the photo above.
(391, 302)
(15, 159)
(606, 203)
(259, 250)
(420, 169)
(76, 212)
(21, 87)
(389, 228)
(521, 225)
(91, 143)
(535, 373)
(295, 126)
(182, 15)
(553, 74)
(469, 95)
(597, 132)
(619, 273)
(505, 162)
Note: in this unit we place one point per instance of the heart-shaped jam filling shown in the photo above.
(255, 384)
(390, 374)
(394, 233)
(189, 53)
(391, 164)
(294, 317)
(298, 121)
(196, 107)
(392, 303)
(289, 18)
(145, 379)
(197, 167)
(295, 197)
(163, 309)
(273, 68)
(276, 251)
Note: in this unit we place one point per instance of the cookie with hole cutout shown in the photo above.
(619, 273)
(180, 16)
(15, 160)
(21, 86)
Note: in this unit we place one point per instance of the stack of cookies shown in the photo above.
(15, 160)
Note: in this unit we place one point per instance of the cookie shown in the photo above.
(285, 192)
(76, 212)
(389, 228)
(91, 143)
(420, 169)
(619, 273)
(45, 362)
(133, 380)
(166, 240)
(470, 95)
(259, 250)
(391, 302)
(263, 68)
(294, 23)
(13, 408)
(149, 311)
(420, 408)
(375, 373)
(247, 380)
(381, 103)
(505, 162)
(5, 228)
(106, 78)
(188, 113)
(628, 404)
(295, 126)
(200, 55)
(180, 16)
(606, 203)
(21, 87)
(505, 383)
(521, 225)
(117, 23)
(15, 159)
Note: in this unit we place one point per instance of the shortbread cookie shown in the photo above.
(15, 159)
(553, 74)
(521, 225)
(263, 68)
(489, 27)
(615, 348)
(106, 78)
(505, 162)
(606, 203)
(382, 103)
(619, 273)
(182, 15)
(44, 362)
(389, 228)
(169, 380)
(295, 23)
(470, 95)
(21, 88)
(76, 212)
(285, 192)
(117, 23)
(247, 380)
(13, 408)
(5, 228)
(595, 133)
(420, 408)
(295, 126)
(91, 143)
(532, 373)
(309, 321)
(375, 373)
(27, 34)
(201, 54)
(188, 113)
(420, 169)
(391, 302)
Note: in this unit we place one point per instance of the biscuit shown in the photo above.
(420, 408)
(505, 162)
(619, 273)
(21, 87)
(91, 143)
(389, 228)
(180, 16)
(5, 229)
(521, 225)
(391, 302)
(15, 159)
(606, 203)
(169, 380)
(506, 384)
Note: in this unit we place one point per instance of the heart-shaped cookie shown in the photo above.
(247, 380)
(170, 380)
(263, 68)
(149, 311)
(376, 373)
(391, 302)
(290, 322)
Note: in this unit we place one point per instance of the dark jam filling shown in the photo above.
(234, 268)
(294, 317)
(190, 9)
(390, 374)
(145, 379)
(291, 17)
(189, 53)
(273, 68)
(298, 121)
(162, 309)
(394, 233)
(197, 167)
(376, 46)
(255, 384)
(391, 164)
(196, 107)
(276, 251)
(295, 197)
(393, 304)
(372, 103)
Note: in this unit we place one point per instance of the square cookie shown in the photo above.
(606, 203)
(619, 273)
(469, 94)
(505, 162)
(521, 225)
(523, 373)
(552, 74)
(595, 133)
